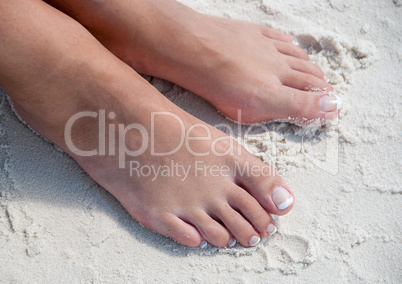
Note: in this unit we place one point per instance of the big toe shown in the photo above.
(267, 187)
(297, 106)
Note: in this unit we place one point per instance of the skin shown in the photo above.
(52, 68)
(235, 65)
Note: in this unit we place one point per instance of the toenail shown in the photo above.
(271, 229)
(255, 240)
(330, 103)
(203, 244)
(282, 198)
(232, 242)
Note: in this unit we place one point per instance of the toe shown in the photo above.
(241, 229)
(275, 34)
(267, 187)
(304, 81)
(298, 106)
(251, 209)
(212, 232)
(177, 229)
(291, 50)
(306, 106)
(305, 67)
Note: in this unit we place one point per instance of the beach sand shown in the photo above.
(58, 226)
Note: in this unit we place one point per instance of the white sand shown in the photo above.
(58, 226)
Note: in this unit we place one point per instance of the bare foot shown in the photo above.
(60, 84)
(235, 65)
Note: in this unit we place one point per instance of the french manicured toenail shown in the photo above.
(271, 229)
(203, 244)
(330, 102)
(282, 198)
(232, 242)
(255, 240)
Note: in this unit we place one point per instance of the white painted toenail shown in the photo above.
(232, 242)
(203, 244)
(271, 229)
(330, 103)
(255, 240)
(282, 198)
(339, 102)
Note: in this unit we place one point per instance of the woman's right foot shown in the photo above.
(208, 189)
(67, 79)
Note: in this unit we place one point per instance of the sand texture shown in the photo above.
(58, 226)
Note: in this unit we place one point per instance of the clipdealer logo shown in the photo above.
(112, 142)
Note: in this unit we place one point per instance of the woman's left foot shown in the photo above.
(235, 65)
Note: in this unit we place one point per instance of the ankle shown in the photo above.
(47, 116)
